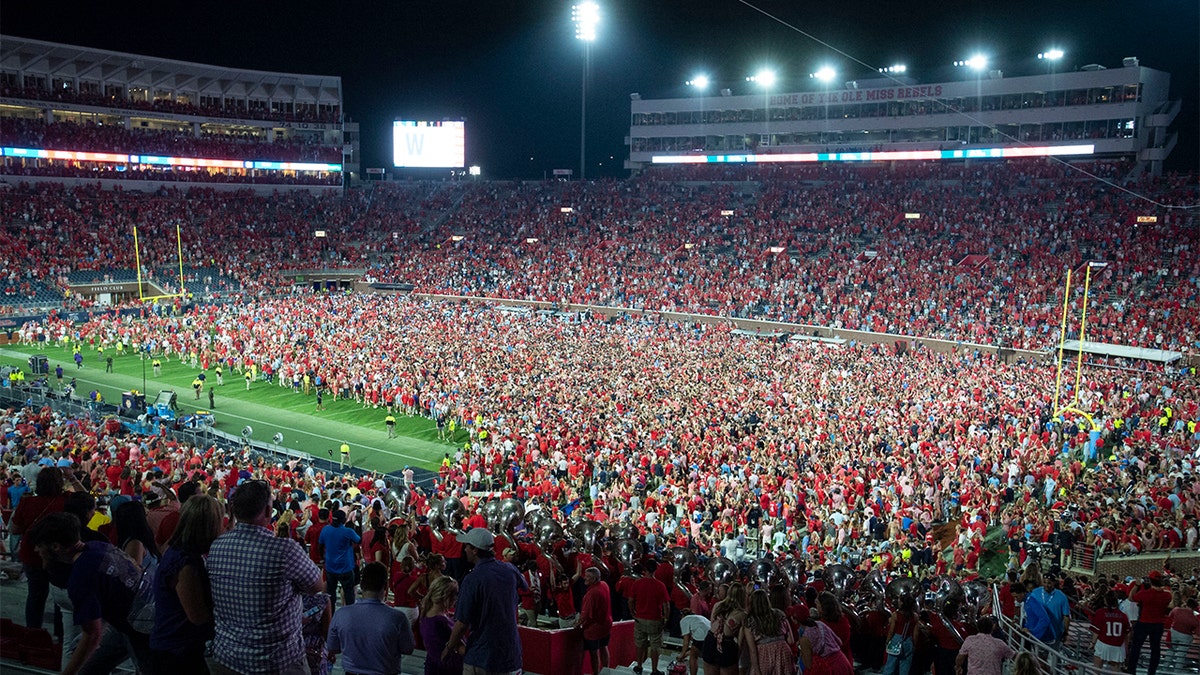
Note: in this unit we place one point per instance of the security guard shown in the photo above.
(220, 377)
(197, 384)
(157, 367)
(344, 458)
(249, 379)
(390, 422)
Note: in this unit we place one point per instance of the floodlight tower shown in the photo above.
(765, 78)
(700, 84)
(978, 64)
(586, 16)
(1051, 56)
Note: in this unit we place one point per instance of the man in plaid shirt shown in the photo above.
(257, 583)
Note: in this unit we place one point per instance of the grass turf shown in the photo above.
(267, 408)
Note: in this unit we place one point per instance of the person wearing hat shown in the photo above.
(487, 607)
(1153, 601)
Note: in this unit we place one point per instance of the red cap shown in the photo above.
(1155, 575)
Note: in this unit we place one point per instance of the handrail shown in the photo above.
(1078, 644)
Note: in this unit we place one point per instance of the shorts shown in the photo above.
(597, 644)
(647, 633)
(1109, 653)
(726, 658)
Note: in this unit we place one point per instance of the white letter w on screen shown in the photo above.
(415, 143)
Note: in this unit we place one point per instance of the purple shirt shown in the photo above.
(435, 631)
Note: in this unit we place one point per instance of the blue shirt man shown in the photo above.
(338, 542)
(17, 490)
(370, 636)
(1048, 611)
(487, 605)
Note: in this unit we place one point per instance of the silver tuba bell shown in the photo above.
(629, 554)
(721, 570)
(841, 581)
(511, 513)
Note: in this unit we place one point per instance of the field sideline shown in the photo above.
(267, 408)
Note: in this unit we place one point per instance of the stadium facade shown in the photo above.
(95, 88)
(1123, 111)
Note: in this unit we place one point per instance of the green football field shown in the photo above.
(266, 408)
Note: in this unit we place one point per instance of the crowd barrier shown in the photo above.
(560, 652)
(74, 407)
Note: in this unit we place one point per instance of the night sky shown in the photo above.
(512, 69)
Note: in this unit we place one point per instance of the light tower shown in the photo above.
(586, 16)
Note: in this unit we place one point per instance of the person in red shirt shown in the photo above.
(595, 619)
(1111, 627)
(564, 602)
(1153, 601)
(650, 603)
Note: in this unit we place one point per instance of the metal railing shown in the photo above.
(1075, 656)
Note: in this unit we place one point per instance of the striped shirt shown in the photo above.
(257, 582)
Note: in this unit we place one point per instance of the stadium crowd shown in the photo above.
(730, 445)
(871, 456)
(310, 113)
(827, 246)
(67, 135)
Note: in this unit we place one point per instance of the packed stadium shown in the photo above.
(862, 372)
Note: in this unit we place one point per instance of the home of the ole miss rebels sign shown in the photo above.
(858, 95)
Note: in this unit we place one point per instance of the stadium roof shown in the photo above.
(1123, 352)
(50, 59)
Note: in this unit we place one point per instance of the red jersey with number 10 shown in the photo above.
(1111, 625)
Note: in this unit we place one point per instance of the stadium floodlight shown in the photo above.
(765, 78)
(898, 68)
(824, 74)
(979, 62)
(1051, 55)
(700, 82)
(586, 16)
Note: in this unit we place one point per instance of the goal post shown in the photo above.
(137, 256)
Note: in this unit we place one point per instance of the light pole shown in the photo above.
(1051, 56)
(825, 75)
(586, 16)
(765, 78)
(979, 64)
(700, 83)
